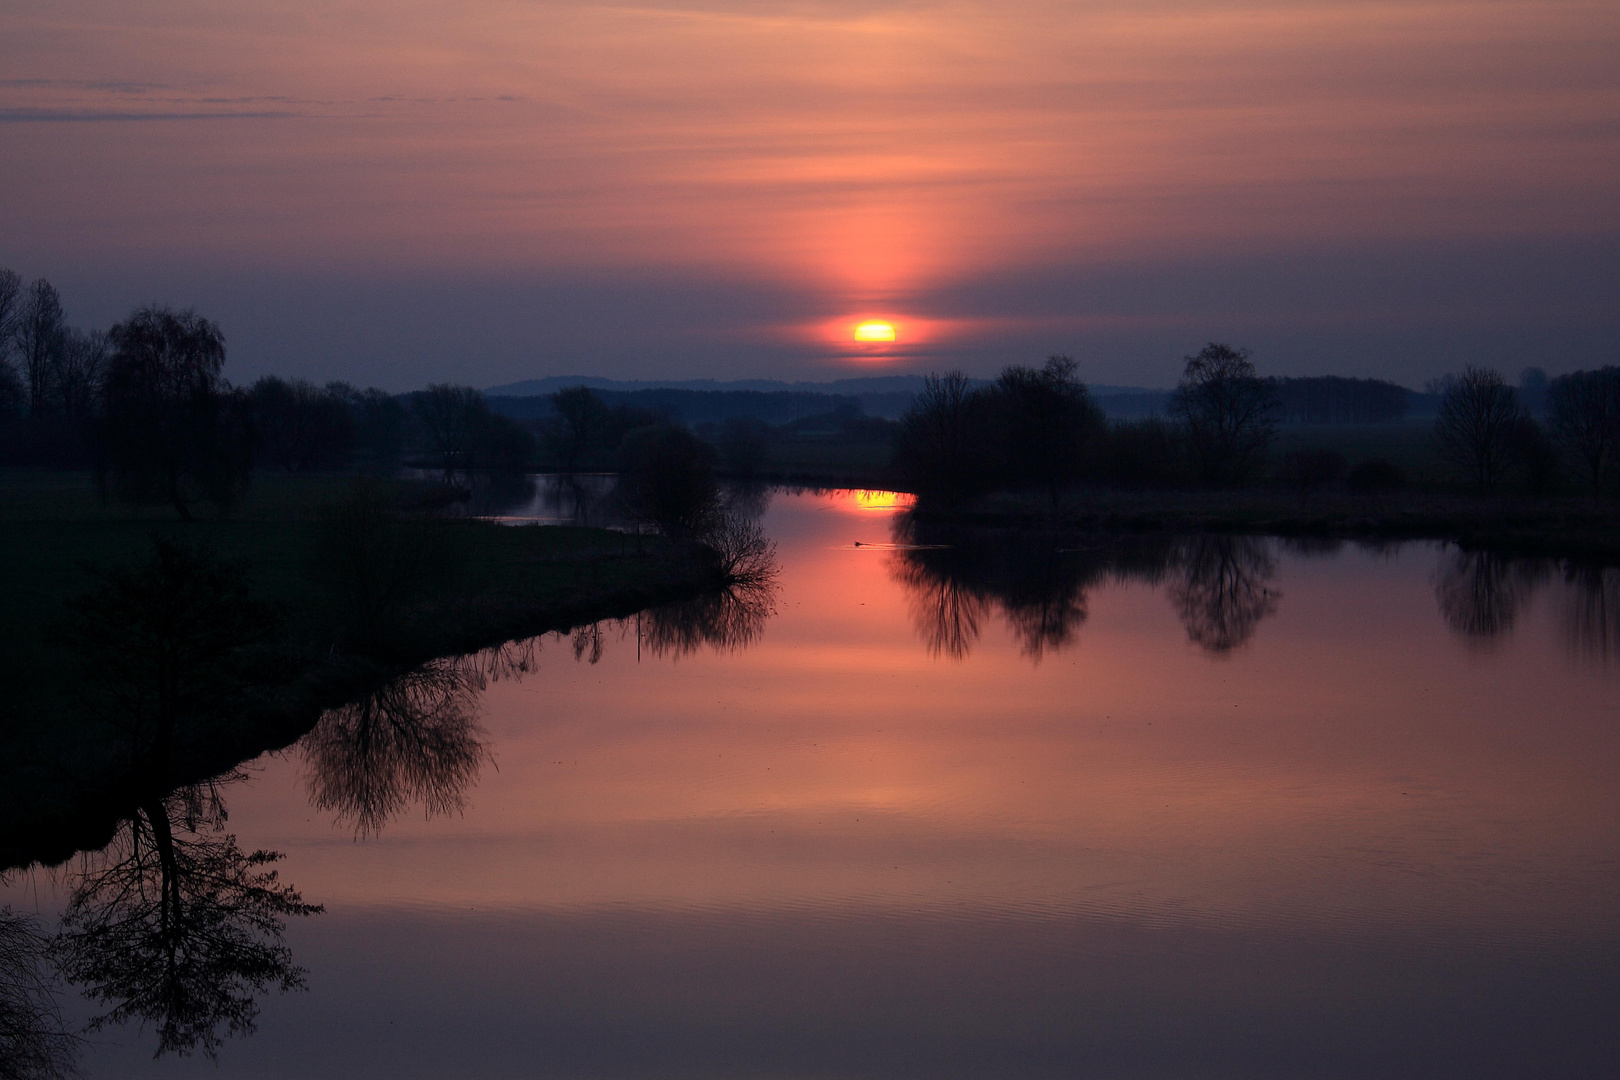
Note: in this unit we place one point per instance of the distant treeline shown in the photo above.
(699, 406)
(1041, 430)
(1325, 399)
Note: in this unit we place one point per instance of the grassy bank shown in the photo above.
(66, 781)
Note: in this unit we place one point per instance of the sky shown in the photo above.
(490, 190)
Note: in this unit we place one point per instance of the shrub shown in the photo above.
(666, 477)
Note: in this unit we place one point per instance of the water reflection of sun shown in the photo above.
(860, 500)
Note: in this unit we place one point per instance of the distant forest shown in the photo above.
(146, 406)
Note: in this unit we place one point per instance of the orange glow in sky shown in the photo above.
(846, 156)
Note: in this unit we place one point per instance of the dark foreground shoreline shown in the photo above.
(1579, 529)
(1562, 527)
(73, 801)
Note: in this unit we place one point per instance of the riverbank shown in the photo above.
(67, 773)
(1573, 528)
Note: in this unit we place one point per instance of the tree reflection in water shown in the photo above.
(726, 621)
(415, 740)
(175, 926)
(1220, 591)
(34, 1042)
(1591, 611)
(955, 576)
(1480, 594)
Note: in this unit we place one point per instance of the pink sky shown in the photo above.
(668, 190)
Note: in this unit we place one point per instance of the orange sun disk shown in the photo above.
(874, 331)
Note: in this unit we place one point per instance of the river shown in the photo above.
(940, 804)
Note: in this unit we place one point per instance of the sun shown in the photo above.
(874, 331)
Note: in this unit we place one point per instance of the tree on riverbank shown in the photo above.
(172, 430)
(1227, 414)
(940, 451)
(1045, 423)
(1584, 414)
(1478, 426)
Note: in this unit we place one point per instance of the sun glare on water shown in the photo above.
(874, 331)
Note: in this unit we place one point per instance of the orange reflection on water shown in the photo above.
(1352, 766)
(864, 500)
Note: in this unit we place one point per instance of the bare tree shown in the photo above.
(1584, 414)
(39, 335)
(11, 292)
(301, 426)
(448, 416)
(1480, 418)
(80, 364)
(940, 449)
(1227, 413)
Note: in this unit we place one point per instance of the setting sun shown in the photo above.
(874, 331)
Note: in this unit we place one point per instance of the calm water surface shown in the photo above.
(1218, 808)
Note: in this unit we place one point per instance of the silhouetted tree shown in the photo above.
(167, 647)
(1584, 414)
(39, 332)
(81, 363)
(11, 302)
(578, 428)
(1220, 589)
(378, 420)
(12, 395)
(175, 926)
(34, 1042)
(171, 429)
(666, 477)
(414, 740)
(1045, 423)
(448, 417)
(1227, 414)
(299, 425)
(1478, 423)
(941, 449)
(501, 444)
